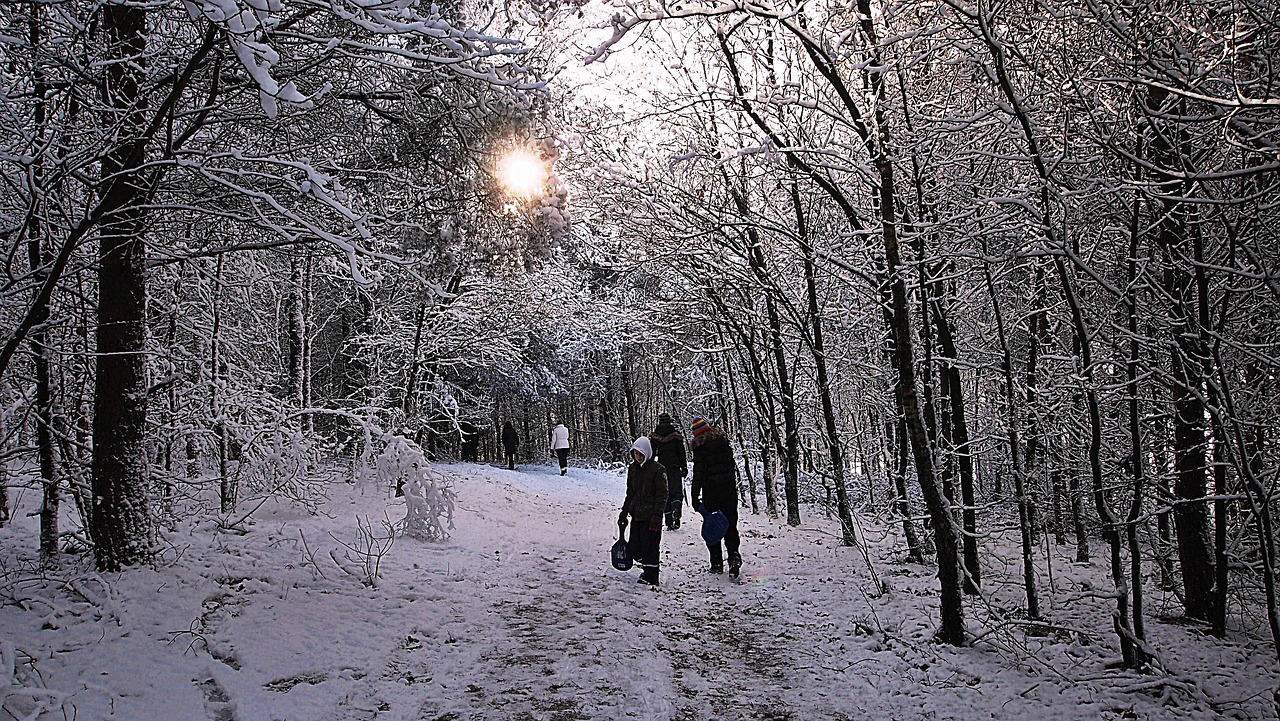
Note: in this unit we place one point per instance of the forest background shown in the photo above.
(960, 264)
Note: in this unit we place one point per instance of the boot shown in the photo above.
(735, 565)
(716, 568)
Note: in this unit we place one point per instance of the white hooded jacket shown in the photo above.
(646, 486)
(643, 445)
(559, 437)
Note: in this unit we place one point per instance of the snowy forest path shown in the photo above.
(563, 636)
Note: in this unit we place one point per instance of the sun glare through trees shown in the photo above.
(521, 173)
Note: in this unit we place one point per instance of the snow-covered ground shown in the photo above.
(520, 616)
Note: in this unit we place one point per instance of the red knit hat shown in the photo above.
(699, 426)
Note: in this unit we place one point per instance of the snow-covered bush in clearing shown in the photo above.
(279, 465)
(428, 495)
(23, 693)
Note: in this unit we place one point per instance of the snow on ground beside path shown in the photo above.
(520, 616)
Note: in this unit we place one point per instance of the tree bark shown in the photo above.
(123, 532)
(1019, 482)
(834, 444)
(40, 261)
(959, 433)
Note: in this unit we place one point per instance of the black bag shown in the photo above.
(621, 553)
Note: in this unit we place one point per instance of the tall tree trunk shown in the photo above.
(409, 403)
(1132, 654)
(1019, 482)
(959, 435)
(5, 511)
(901, 504)
(786, 389)
(217, 372)
(1190, 458)
(738, 437)
(629, 394)
(296, 333)
(123, 532)
(946, 535)
(834, 444)
(1135, 427)
(40, 261)
(310, 423)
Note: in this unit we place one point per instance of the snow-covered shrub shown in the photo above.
(428, 494)
(23, 693)
(362, 558)
(279, 465)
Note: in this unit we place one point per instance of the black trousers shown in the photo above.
(511, 460)
(732, 542)
(644, 545)
(562, 454)
(675, 497)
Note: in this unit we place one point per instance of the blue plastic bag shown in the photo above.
(621, 553)
(714, 526)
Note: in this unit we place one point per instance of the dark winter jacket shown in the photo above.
(668, 446)
(715, 475)
(510, 440)
(646, 487)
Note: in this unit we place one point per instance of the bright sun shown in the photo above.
(522, 173)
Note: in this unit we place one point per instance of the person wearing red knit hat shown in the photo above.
(715, 488)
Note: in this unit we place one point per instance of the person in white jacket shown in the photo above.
(560, 446)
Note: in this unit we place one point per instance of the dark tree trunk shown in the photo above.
(629, 395)
(1019, 482)
(1190, 457)
(1135, 429)
(218, 374)
(123, 533)
(959, 433)
(409, 404)
(296, 332)
(901, 504)
(834, 444)
(738, 437)
(786, 390)
(4, 465)
(39, 261)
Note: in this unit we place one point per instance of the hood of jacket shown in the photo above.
(665, 434)
(643, 445)
(710, 434)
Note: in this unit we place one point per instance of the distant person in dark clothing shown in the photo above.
(715, 488)
(646, 497)
(668, 448)
(470, 445)
(510, 444)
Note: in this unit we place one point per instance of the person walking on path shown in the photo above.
(645, 501)
(668, 448)
(714, 488)
(470, 442)
(560, 446)
(510, 444)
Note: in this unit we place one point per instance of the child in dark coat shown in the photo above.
(646, 499)
(715, 488)
(668, 447)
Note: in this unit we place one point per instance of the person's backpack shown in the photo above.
(621, 553)
(714, 526)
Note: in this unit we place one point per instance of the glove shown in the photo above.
(655, 524)
(622, 518)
